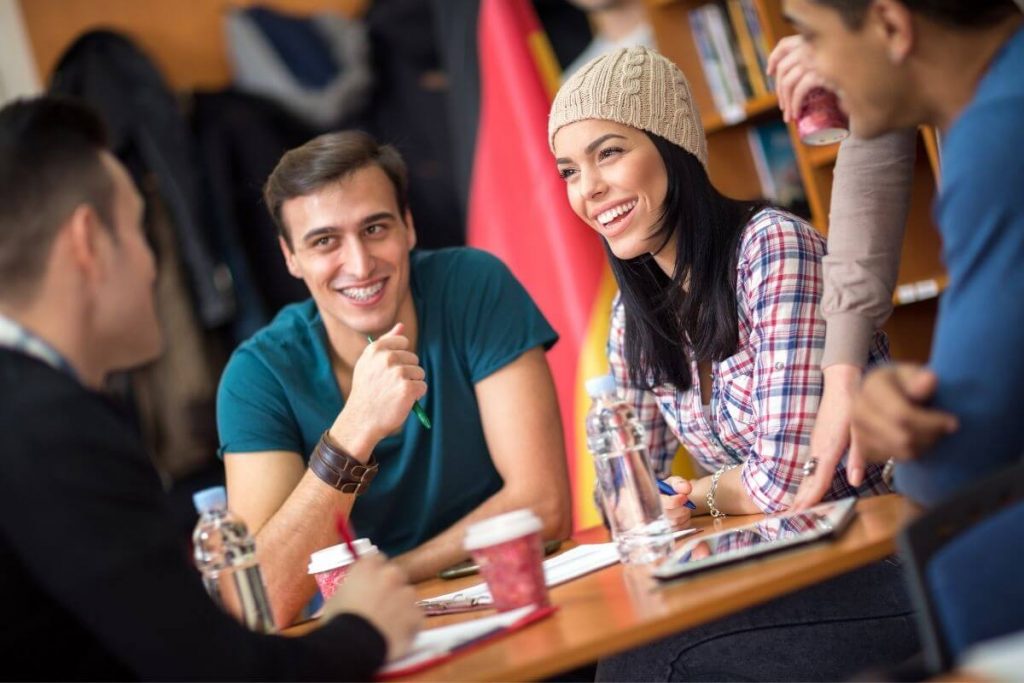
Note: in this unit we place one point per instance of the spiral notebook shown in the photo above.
(567, 566)
(572, 564)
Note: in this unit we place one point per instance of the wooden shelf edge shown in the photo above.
(821, 157)
(715, 121)
(931, 146)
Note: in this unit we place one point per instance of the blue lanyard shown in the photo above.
(17, 337)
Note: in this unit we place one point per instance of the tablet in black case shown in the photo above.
(767, 535)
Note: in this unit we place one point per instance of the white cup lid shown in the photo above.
(501, 528)
(338, 555)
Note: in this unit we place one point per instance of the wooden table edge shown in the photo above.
(792, 578)
(616, 642)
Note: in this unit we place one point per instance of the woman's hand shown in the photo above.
(676, 512)
(831, 435)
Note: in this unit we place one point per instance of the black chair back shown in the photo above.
(980, 510)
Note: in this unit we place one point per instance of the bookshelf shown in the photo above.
(734, 167)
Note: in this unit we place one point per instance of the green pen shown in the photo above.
(421, 414)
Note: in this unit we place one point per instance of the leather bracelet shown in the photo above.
(339, 469)
(713, 489)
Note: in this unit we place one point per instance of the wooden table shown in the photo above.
(621, 607)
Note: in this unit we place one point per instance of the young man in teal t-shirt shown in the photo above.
(316, 421)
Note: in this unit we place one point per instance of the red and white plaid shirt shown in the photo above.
(764, 397)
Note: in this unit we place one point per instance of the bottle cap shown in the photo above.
(338, 555)
(501, 528)
(210, 499)
(599, 386)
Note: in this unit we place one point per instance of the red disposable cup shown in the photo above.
(820, 120)
(510, 554)
(330, 565)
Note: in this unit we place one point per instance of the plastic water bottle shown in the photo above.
(225, 554)
(629, 493)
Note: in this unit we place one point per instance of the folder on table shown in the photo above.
(434, 646)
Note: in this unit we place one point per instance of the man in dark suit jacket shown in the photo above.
(92, 579)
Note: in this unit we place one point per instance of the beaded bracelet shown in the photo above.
(710, 497)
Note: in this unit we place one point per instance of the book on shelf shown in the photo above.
(733, 54)
(721, 38)
(756, 75)
(711, 65)
(777, 169)
(761, 47)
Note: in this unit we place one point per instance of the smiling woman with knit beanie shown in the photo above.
(716, 340)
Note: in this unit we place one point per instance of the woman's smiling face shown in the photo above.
(616, 182)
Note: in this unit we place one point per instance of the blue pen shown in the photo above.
(667, 489)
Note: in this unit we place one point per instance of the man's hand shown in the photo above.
(787, 64)
(378, 591)
(889, 417)
(676, 512)
(831, 435)
(386, 381)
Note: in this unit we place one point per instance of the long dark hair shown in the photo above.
(695, 309)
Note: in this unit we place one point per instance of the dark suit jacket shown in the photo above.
(93, 583)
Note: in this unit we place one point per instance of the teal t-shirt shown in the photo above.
(278, 393)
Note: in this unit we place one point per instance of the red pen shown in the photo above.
(346, 534)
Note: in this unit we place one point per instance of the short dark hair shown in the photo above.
(50, 164)
(974, 14)
(327, 159)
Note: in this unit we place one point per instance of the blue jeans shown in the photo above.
(827, 632)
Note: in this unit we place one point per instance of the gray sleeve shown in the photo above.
(870, 201)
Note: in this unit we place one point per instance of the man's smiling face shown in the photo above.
(351, 247)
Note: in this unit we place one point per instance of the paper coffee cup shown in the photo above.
(509, 552)
(820, 120)
(330, 565)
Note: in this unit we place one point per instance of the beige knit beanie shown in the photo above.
(637, 87)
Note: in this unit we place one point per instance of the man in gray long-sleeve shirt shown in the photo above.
(870, 202)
